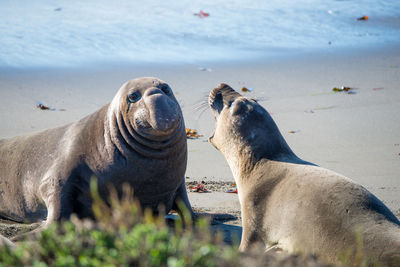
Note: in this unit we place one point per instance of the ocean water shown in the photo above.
(38, 33)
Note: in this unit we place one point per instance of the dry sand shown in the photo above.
(357, 135)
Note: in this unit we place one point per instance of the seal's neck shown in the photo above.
(243, 156)
(245, 166)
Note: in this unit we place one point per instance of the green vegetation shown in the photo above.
(146, 244)
(122, 236)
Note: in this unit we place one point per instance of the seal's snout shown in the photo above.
(215, 100)
(221, 96)
(163, 111)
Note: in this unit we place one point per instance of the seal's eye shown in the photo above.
(134, 97)
(165, 88)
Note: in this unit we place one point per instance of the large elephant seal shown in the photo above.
(139, 139)
(291, 204)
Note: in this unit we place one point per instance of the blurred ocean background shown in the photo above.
(51, 33)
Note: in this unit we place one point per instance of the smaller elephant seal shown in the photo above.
(138, 139)
(290, 204)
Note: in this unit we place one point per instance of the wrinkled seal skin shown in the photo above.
(139, 139)
(288, 203)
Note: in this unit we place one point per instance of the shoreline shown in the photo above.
(355, 135)
(273, 54)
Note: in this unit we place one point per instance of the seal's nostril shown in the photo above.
(159, 89)
(214, 94)
(153, 91)
(216, 101)
(218, 96)
(165, 88)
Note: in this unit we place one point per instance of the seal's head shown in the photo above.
(149, 108)
(243, 127)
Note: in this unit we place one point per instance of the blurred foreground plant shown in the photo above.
(123, 235)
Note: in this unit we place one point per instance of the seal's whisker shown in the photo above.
(261, 99)
(202, 103)
(200, 107)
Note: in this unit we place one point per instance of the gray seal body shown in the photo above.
(291, 204)
(138, 139)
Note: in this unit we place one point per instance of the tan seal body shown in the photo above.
(139, 139)
(291, 204)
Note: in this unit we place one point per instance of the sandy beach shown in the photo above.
(355, 134)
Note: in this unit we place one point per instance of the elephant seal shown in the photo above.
(291, 204)
(138, 139)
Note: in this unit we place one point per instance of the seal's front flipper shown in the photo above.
(52, 200)
(4, 241)
(182, 204)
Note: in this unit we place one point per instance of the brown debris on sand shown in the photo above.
(41, 106)
(217, 186)
(192, 133)
(199, 188)
(345, 89)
